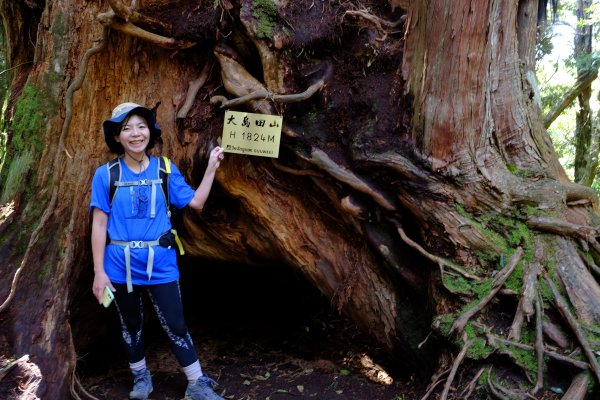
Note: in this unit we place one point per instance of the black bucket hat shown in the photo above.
(120, 113)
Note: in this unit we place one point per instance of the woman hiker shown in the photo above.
(133, 247)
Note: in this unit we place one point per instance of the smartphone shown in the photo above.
(107, 297)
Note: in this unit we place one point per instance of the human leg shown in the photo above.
(130, 309)
(166, 299)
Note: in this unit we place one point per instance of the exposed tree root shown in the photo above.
(322, 160)
(436, 381)
(193, 89)
(503, 393)
(438, 260)
(493, 341)
(579, 387)
(565, 228)
(563, 308)
(264, 94)
(76, 388)
(459, 358)
(128, 14)
(379, 23)
(539, 347)
(554, 333)
(293, 171)
(525, 307)
(465, 394)
(108, 20)
(32, 241)
(460, 322)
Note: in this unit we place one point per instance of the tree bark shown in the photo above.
(403, 182)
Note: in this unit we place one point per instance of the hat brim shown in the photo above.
(112, 125)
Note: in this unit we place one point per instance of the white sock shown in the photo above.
(138, 366)
(193, 371)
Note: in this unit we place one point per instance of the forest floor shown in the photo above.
(319, 363)
(265, 335)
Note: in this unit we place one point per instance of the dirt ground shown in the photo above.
(264, 335)
(258, 365)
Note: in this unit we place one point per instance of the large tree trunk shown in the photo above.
(416, 169)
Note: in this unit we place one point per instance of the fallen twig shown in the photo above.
(460, 322)
(563, 308)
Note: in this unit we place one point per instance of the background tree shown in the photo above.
(416, 185)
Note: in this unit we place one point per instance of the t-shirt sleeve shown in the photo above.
(180, 193)
(100, 195)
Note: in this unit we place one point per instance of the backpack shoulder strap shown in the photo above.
(114, 175)
(164, 170)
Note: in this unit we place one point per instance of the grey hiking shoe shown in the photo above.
(202, 389)
(142, 385)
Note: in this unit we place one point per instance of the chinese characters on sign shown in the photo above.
(251, 134)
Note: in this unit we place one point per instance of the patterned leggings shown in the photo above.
(166, 299)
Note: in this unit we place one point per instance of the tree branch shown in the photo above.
(582, 82)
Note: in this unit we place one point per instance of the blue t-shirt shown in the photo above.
(129, 219)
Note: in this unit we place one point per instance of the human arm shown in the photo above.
(201, 194)
(99, 227)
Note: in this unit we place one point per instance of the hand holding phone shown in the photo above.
(107, 297)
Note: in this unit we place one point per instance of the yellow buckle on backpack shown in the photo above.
(179, 244)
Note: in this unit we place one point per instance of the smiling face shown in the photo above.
(134, 136)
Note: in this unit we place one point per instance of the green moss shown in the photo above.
(28, 121)
(479, 350)
(445, 323)
(457, 284)
(265, 13)
(521, 173)
(17, 170)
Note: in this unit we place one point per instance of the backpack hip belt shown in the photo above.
(136, 244)
(171, 240)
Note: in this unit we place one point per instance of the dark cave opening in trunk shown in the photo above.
(236, 314)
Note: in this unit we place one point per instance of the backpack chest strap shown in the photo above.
(144, 182)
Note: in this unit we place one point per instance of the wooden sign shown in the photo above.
(251, 134)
